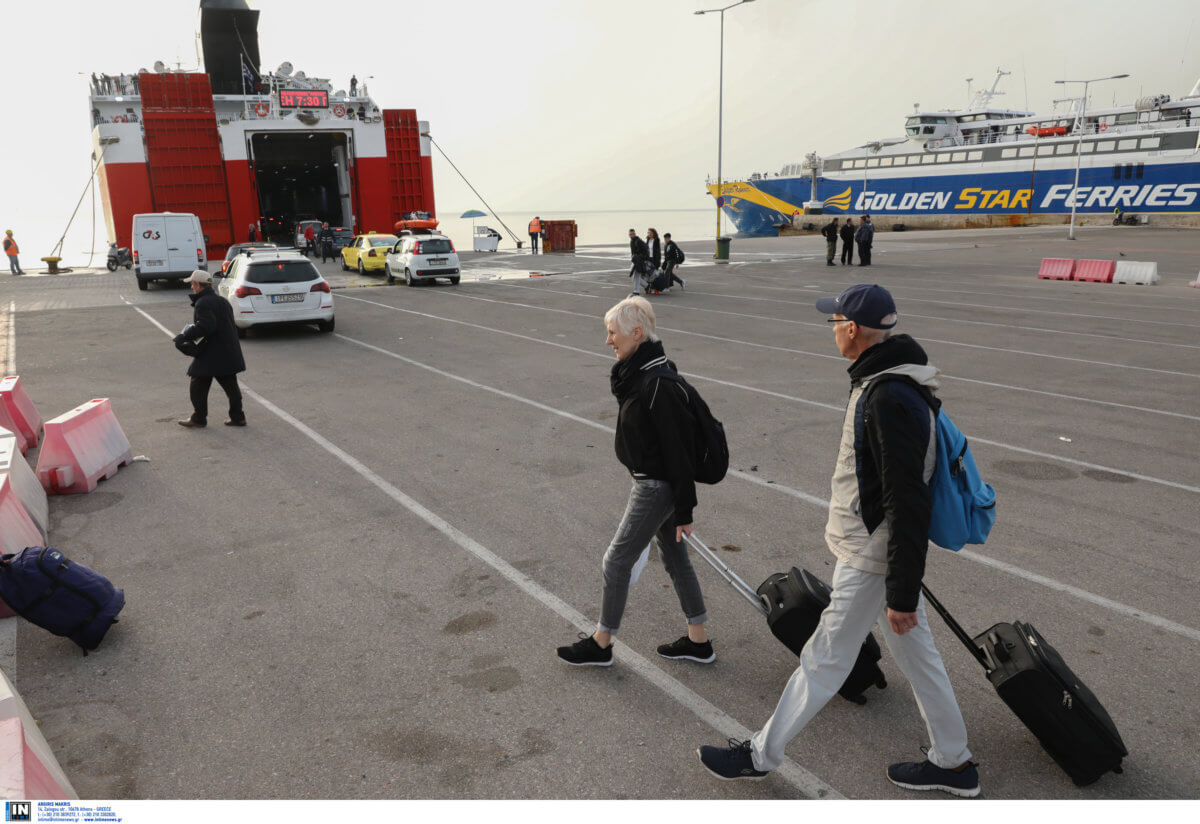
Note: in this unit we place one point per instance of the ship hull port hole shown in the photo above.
(300, 176)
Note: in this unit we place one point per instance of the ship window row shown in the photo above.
(1045, 150)
(1128, 171)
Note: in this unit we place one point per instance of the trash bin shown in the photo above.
(723, 248)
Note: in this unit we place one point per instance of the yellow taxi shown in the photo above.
(368, 253)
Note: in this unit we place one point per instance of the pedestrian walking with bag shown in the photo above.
(219, 356)
(639, 253)
(655, 441)
(672, 257)
(878, 530)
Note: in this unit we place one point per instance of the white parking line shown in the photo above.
(805, 352)
(789, 321)
(718, 719)
(792, 398)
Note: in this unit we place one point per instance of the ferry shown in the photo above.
(241, 147)
(986, 165)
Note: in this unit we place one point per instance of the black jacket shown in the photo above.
(865, 233)
(847, 232)
(655, 427)
(670, 252)
(325, 235)
(892, 440)
(213, 321)
(638, 249)
(830, 232)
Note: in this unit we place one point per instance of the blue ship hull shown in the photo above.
(762, 206)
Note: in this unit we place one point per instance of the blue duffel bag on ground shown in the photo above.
(46, 588)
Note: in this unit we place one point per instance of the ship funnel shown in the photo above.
(229, 34)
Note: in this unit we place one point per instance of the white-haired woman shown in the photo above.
(655, 431)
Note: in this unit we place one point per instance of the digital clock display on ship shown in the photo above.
(303, 99)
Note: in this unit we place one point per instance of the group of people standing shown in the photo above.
(864, 236)
(654, 262)
(877, 530)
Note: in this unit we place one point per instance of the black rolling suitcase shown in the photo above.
(1036, 684)
(792, 603)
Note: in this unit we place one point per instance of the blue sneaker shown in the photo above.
(926, 775)
(732, 762)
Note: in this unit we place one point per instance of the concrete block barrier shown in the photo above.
(28, 768)
(1140, 272)
(81, 448)
(21, 409)
(1057, 269)
(24, 482)
(1096, 271)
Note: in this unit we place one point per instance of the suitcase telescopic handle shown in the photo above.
(728, 574)
(957, 629)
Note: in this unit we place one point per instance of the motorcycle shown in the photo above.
(1120, 218)
(118, 256)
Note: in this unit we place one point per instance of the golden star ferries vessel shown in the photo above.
(990, 166)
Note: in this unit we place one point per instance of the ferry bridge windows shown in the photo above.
(974, 155)
(1122, 145)
(957, 156)
(1105, 146)
(1150, 142)
(1006, 154)
(1065, 148)
(885, 161)
(943, 158)
(873, 162)
(928, 159)
(1027, 151)
(1088, 148)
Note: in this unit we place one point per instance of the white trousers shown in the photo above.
(858, 602)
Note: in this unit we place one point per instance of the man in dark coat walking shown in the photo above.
(830, 233)
(640, 254)
(865, 236)
(220, 357)
(847, 233)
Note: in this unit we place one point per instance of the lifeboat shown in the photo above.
(1046, 131)
(416, 220)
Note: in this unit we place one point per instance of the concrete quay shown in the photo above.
(359, 594)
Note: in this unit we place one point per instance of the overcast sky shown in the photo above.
(577, 105)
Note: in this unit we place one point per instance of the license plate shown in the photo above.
(287, 298)
(436, 261)
(152, 263)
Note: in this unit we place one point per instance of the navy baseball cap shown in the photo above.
(866, 304)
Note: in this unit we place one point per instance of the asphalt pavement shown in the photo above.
(359, 594)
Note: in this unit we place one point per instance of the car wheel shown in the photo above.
(325, 325)
(390, 279)
(361, 270)
(143, 285)
(454, 280)
(408, 278)
(345, 268)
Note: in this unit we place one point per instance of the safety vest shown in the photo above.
(10, 247)
(535, 227)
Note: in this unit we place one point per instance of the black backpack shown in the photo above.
(710, 455)
(679, 256)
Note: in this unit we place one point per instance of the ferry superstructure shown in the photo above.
(238, 146)
(986, 165)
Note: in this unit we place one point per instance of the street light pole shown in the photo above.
(721, 108)
(1079, 140)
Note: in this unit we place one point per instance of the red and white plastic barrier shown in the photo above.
(1140, 272)
(9, 429)
(17, 529)
(1195, 284)
(1057, 269)
(28, 768)
(1096, 271)
(20, 409)
(81, 448)
(24, 482)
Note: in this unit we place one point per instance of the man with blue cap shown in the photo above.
(878, 528)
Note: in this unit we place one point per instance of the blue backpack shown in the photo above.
(964, 505)
(45, 588)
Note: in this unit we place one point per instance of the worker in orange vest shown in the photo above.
(535, 231)
(10, 249)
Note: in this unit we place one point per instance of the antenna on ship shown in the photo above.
(969, 97)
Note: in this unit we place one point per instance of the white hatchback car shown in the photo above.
(275, 286)
(419, 256)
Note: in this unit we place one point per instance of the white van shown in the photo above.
(167, 246)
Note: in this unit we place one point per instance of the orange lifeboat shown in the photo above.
(416, 220)
(1046, 131)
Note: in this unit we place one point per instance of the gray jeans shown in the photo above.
(648, 515)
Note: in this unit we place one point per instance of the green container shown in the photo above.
(723, 248)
